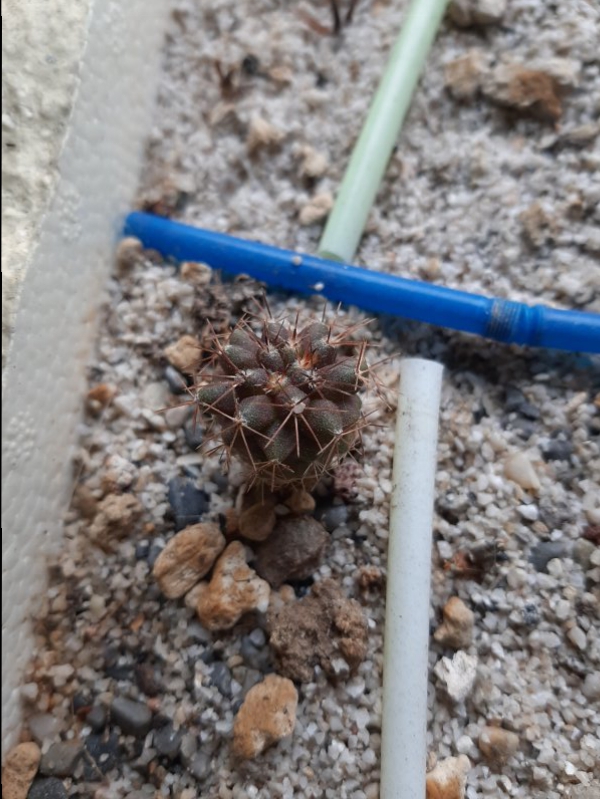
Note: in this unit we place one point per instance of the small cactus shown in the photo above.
(286, 401)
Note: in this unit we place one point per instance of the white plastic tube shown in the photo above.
(406, 642)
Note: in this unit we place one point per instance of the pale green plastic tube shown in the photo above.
(380, 131)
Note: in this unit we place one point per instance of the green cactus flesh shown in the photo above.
(286, 402)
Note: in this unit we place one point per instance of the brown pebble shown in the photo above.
(262, 134)
(526, 90)
(463, 75)
(184, 354)
(301, 502)
(234, 589)
(267, 715)
(369, 577)
(187, 558)
(99, 397)
(466, 13)
(20, 767)
(257, 521)
(319, 629)
(448, 779)
(116, 517)
(293, 551)
(456, 630)
(497, 744)
(129, 251)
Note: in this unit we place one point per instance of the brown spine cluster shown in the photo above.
(285, 401)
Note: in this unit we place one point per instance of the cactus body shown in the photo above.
(285, 402)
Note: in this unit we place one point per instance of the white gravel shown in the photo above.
(449, 211)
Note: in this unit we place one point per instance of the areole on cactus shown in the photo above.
(285, 401)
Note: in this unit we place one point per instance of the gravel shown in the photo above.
(467, 185)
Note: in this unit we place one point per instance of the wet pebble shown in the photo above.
(543, 553)
(49, 788)
(168, 740)
(61, 759)
(188, 502)
(221, 678)
(134, 718)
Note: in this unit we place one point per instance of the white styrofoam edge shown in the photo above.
(44, 377)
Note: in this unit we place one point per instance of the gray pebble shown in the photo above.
(188, 748)
(188, 502)
(193, 433)
(220, 676)
(258, 637)
(167, 741)
(334, 517)
(176, 381)
(200, 767)
(103, 755)
(558, 450)
(134, 718)
(49, 788)
(61, 759)
(44, 727)
(198, 633)
(142, 548)
(591, 686)
(97, 718)
(257, 657)
(156, 547)
(515, 401)
(531, 615)
(582, 553)
(546, 551)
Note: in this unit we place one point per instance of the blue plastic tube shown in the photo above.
(501, 320)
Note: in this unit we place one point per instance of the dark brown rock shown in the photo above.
(323, 627)
(293, 551)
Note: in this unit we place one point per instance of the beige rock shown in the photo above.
(317, 209)
(301, 502)
(497, 744)
(234, 589)
(119, 474)
(476, 12)
(519, 469)
(20, 767)
(314, 163)
(184, 354)
(464, 75)
(457, 628)
(262, 134)
(187, 558)
(458, 674)
(539, 225)
(129, 251)
(116, 517)
(267, 715)
(448, 779)
(256, 522)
